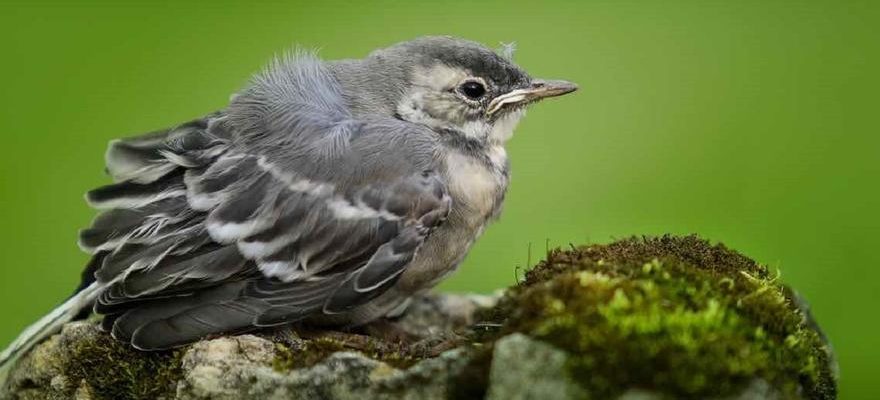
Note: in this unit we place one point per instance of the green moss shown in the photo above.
(289, 356)
(673, 315)
(114, 370)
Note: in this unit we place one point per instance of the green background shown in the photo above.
(750, 123)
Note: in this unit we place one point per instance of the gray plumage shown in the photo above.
(326, 192)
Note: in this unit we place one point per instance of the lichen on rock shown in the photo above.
(640, 318)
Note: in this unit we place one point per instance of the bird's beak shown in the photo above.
(537, 90)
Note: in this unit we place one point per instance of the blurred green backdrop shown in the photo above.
(750, 123)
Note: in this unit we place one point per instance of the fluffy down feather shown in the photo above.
(282, 207)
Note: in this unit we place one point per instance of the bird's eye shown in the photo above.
(472, 89)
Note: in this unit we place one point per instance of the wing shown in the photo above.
(282, 207)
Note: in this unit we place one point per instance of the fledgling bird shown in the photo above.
(325, 192)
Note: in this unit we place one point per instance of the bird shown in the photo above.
(325, 192)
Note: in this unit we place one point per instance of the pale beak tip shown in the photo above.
(553, 88)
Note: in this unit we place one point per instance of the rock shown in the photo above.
(513, 377)
(638, 319)
(524, 369)
(225, 367)
(228, 372)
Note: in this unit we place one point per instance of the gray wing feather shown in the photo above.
(146, 158)
(281, 207)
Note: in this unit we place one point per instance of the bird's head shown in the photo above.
(458, 87)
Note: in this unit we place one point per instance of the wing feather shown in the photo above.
(282, 207)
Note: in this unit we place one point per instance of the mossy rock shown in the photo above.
(675, 316)
(640, 318)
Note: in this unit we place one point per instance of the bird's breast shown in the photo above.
(477, 184)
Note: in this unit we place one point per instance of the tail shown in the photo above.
(45, 327)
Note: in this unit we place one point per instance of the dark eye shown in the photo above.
(472, 89)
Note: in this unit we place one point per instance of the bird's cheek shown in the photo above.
(502, 129)
(449, 109)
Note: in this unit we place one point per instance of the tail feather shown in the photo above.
(46, 327)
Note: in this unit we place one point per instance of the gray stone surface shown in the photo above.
(239, 368)
(246, 366)
(525, 369)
